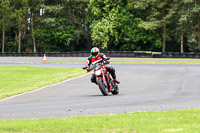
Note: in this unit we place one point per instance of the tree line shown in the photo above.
(76, 25)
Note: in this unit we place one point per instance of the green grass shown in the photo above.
(182, 121)
(20, 79)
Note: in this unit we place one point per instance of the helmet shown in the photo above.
(94, 52)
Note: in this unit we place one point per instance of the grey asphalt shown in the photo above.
(143, 87)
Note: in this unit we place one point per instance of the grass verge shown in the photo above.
(184, 121)
(20, 79)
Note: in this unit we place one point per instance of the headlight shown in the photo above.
(98, 72)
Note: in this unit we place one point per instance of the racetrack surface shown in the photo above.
(143, 87)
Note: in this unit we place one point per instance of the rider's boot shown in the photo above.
(116, 81)
(93, 79)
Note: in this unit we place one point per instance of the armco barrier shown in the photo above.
(136, 54)
(179, 55)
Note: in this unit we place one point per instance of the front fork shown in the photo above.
(104, 81)
(103, 78)
(110, 82)
(107, 80)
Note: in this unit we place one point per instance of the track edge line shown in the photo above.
(11, 97)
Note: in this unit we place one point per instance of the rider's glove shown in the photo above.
(88, 69)
(106, 62)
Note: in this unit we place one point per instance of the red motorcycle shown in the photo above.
(104, 79)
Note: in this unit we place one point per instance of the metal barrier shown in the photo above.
(136, 54)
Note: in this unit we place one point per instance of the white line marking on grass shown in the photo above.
(43, 88)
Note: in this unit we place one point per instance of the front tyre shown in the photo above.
(102, 87)
(116, 90)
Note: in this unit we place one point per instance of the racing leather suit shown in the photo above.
(100, 57)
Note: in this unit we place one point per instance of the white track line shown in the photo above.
(43, 87)
(18, 62)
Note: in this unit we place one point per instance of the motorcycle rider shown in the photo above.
(96, 57)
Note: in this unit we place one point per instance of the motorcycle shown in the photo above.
(104, 79)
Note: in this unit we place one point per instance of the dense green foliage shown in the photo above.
(73, 25)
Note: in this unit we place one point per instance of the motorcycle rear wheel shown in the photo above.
(102, 87)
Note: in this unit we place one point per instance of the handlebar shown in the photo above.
(92, 67)
(88, 70)
(107, 58)
(84, 68)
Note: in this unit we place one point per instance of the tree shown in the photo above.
(103, 30)
(134, 36)
(104, 22)
(158, 16)
(77, 16)
(60, 34)
(35, 19)
(192, 14)
(21, 14)
(68, 25)
(115, 26)
(5, 20)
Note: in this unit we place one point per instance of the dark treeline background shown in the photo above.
(76, 25)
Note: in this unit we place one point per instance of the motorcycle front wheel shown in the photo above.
(116, 90)
(102, 87)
